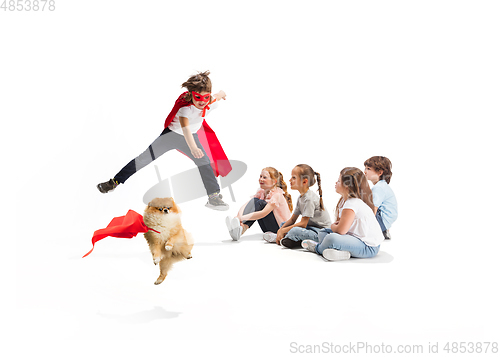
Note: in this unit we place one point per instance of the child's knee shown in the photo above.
(331, 240)
(298, 233)
(323, 233)
(295, 233)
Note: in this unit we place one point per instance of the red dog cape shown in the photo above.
(213, 148)
(127, 226)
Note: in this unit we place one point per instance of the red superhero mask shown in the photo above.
(201, 98)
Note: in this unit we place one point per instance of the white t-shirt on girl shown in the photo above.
(365, 225)
(194, 116)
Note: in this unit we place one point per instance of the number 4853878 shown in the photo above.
(28, 5)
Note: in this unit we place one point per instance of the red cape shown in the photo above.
(213, 148)
(127, 226)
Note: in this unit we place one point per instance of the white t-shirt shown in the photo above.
(365, 225)
(194, 116)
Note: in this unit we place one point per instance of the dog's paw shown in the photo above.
(189, 256)
(156, 260)
(159, 281)
(168, 247)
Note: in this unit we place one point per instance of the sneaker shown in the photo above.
(234, 227)
(215, 202)
(310, 245)
(108, 186)
(386, 234)
(288, 243)
(336, 255)
(270, 237)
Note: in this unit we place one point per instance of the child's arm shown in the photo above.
(290, 224)
(240, 212)
(197, 152)
(342, 226)
(259, 214)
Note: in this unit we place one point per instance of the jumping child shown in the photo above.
(181, 132)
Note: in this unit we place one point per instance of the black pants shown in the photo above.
(169, 140)
(267, 223)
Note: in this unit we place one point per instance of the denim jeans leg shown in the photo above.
(346, 242)
(378, 216)
(299, 234)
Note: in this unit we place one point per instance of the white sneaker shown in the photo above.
(228, 225)
(310, 245)
(270, 237)
(336, 255)
(234, 227)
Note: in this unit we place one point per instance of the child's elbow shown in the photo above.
(342, 231)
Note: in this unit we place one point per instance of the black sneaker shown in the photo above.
(217, 203)
(292, 244)
(108, 186)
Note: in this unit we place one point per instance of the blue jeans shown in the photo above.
(299, 234)
(378, 216)
(358, 249)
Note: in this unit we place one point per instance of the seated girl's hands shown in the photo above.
(280, 235)
(334, 226)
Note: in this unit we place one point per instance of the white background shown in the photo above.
(85, 88)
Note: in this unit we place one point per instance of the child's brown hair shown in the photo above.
(307, 172)
(357, 184)
(378, 163)
(199, 83)
(278, 176)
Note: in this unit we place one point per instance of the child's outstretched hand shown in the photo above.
(220, 95)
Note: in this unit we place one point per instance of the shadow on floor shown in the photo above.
(158, 313)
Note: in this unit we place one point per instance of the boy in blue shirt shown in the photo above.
(378, 171)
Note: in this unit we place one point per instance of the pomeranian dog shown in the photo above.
(173, 243)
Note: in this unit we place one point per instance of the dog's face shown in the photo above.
(162, 206)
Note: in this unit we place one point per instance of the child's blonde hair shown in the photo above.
(357, 184)
(306, 172)
(199, 83)
(278, 176)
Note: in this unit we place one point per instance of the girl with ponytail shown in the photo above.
(309, 206)
(356, 232)
(270, 206)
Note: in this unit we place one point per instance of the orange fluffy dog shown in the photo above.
(173, 243)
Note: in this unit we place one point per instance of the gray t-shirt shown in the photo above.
(308, 206)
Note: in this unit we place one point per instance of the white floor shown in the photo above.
(250, 295)
(85, 88)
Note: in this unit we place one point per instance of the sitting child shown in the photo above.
(270, 207)
(378, 171)
(355, 232)
(309, 206)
